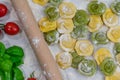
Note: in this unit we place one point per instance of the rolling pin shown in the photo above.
(36, 39)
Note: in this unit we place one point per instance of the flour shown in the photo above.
(70, 73)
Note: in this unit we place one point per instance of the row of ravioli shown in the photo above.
(77, 31)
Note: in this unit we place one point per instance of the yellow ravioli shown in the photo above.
(95, 23)
(114, 34)
(109, 18)
(101, 54)
(67, 10)
(46, 25)
(115, 76)
(64, 60)
(67, 43)
(41, 2)
(65, 25)
(84, 48)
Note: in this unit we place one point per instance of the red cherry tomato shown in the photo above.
(3, 10)
(11, 28)
(31, 79)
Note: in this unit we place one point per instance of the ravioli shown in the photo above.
(115, 6)
(110, 19)
(99, 38)
(64, 60)
(87, 67)
(114, 34)
(84, 48)
(81, 18)
(65, 25)
(108, 66)
(96, 7)
(67, 43)
(67, 10)
(52, 13)
(101, 54)
(46, 25)
(95, 23)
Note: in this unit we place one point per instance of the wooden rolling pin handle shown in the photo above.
(36, 39)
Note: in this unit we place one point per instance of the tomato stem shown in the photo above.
(32, 75)
(2, 26)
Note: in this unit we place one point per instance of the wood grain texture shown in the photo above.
(36, 39)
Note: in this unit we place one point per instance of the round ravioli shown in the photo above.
(67, 10)
(81, 18)
(84, 48)
(64, 59)
(114, 34)
(52, 13)
(65, 25)
(115, 76)
(99, 38)
(115, 6)
(41, 2)
(108, 66)
(87, 67)
(101, 54)
(96, 7)
(95, 23)
(51, 36)
(67, 43)
(79, 32)
(46, 25)
(110, 19)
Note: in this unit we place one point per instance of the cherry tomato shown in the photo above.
(11, 28)
(31, 79)
(3, 10)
